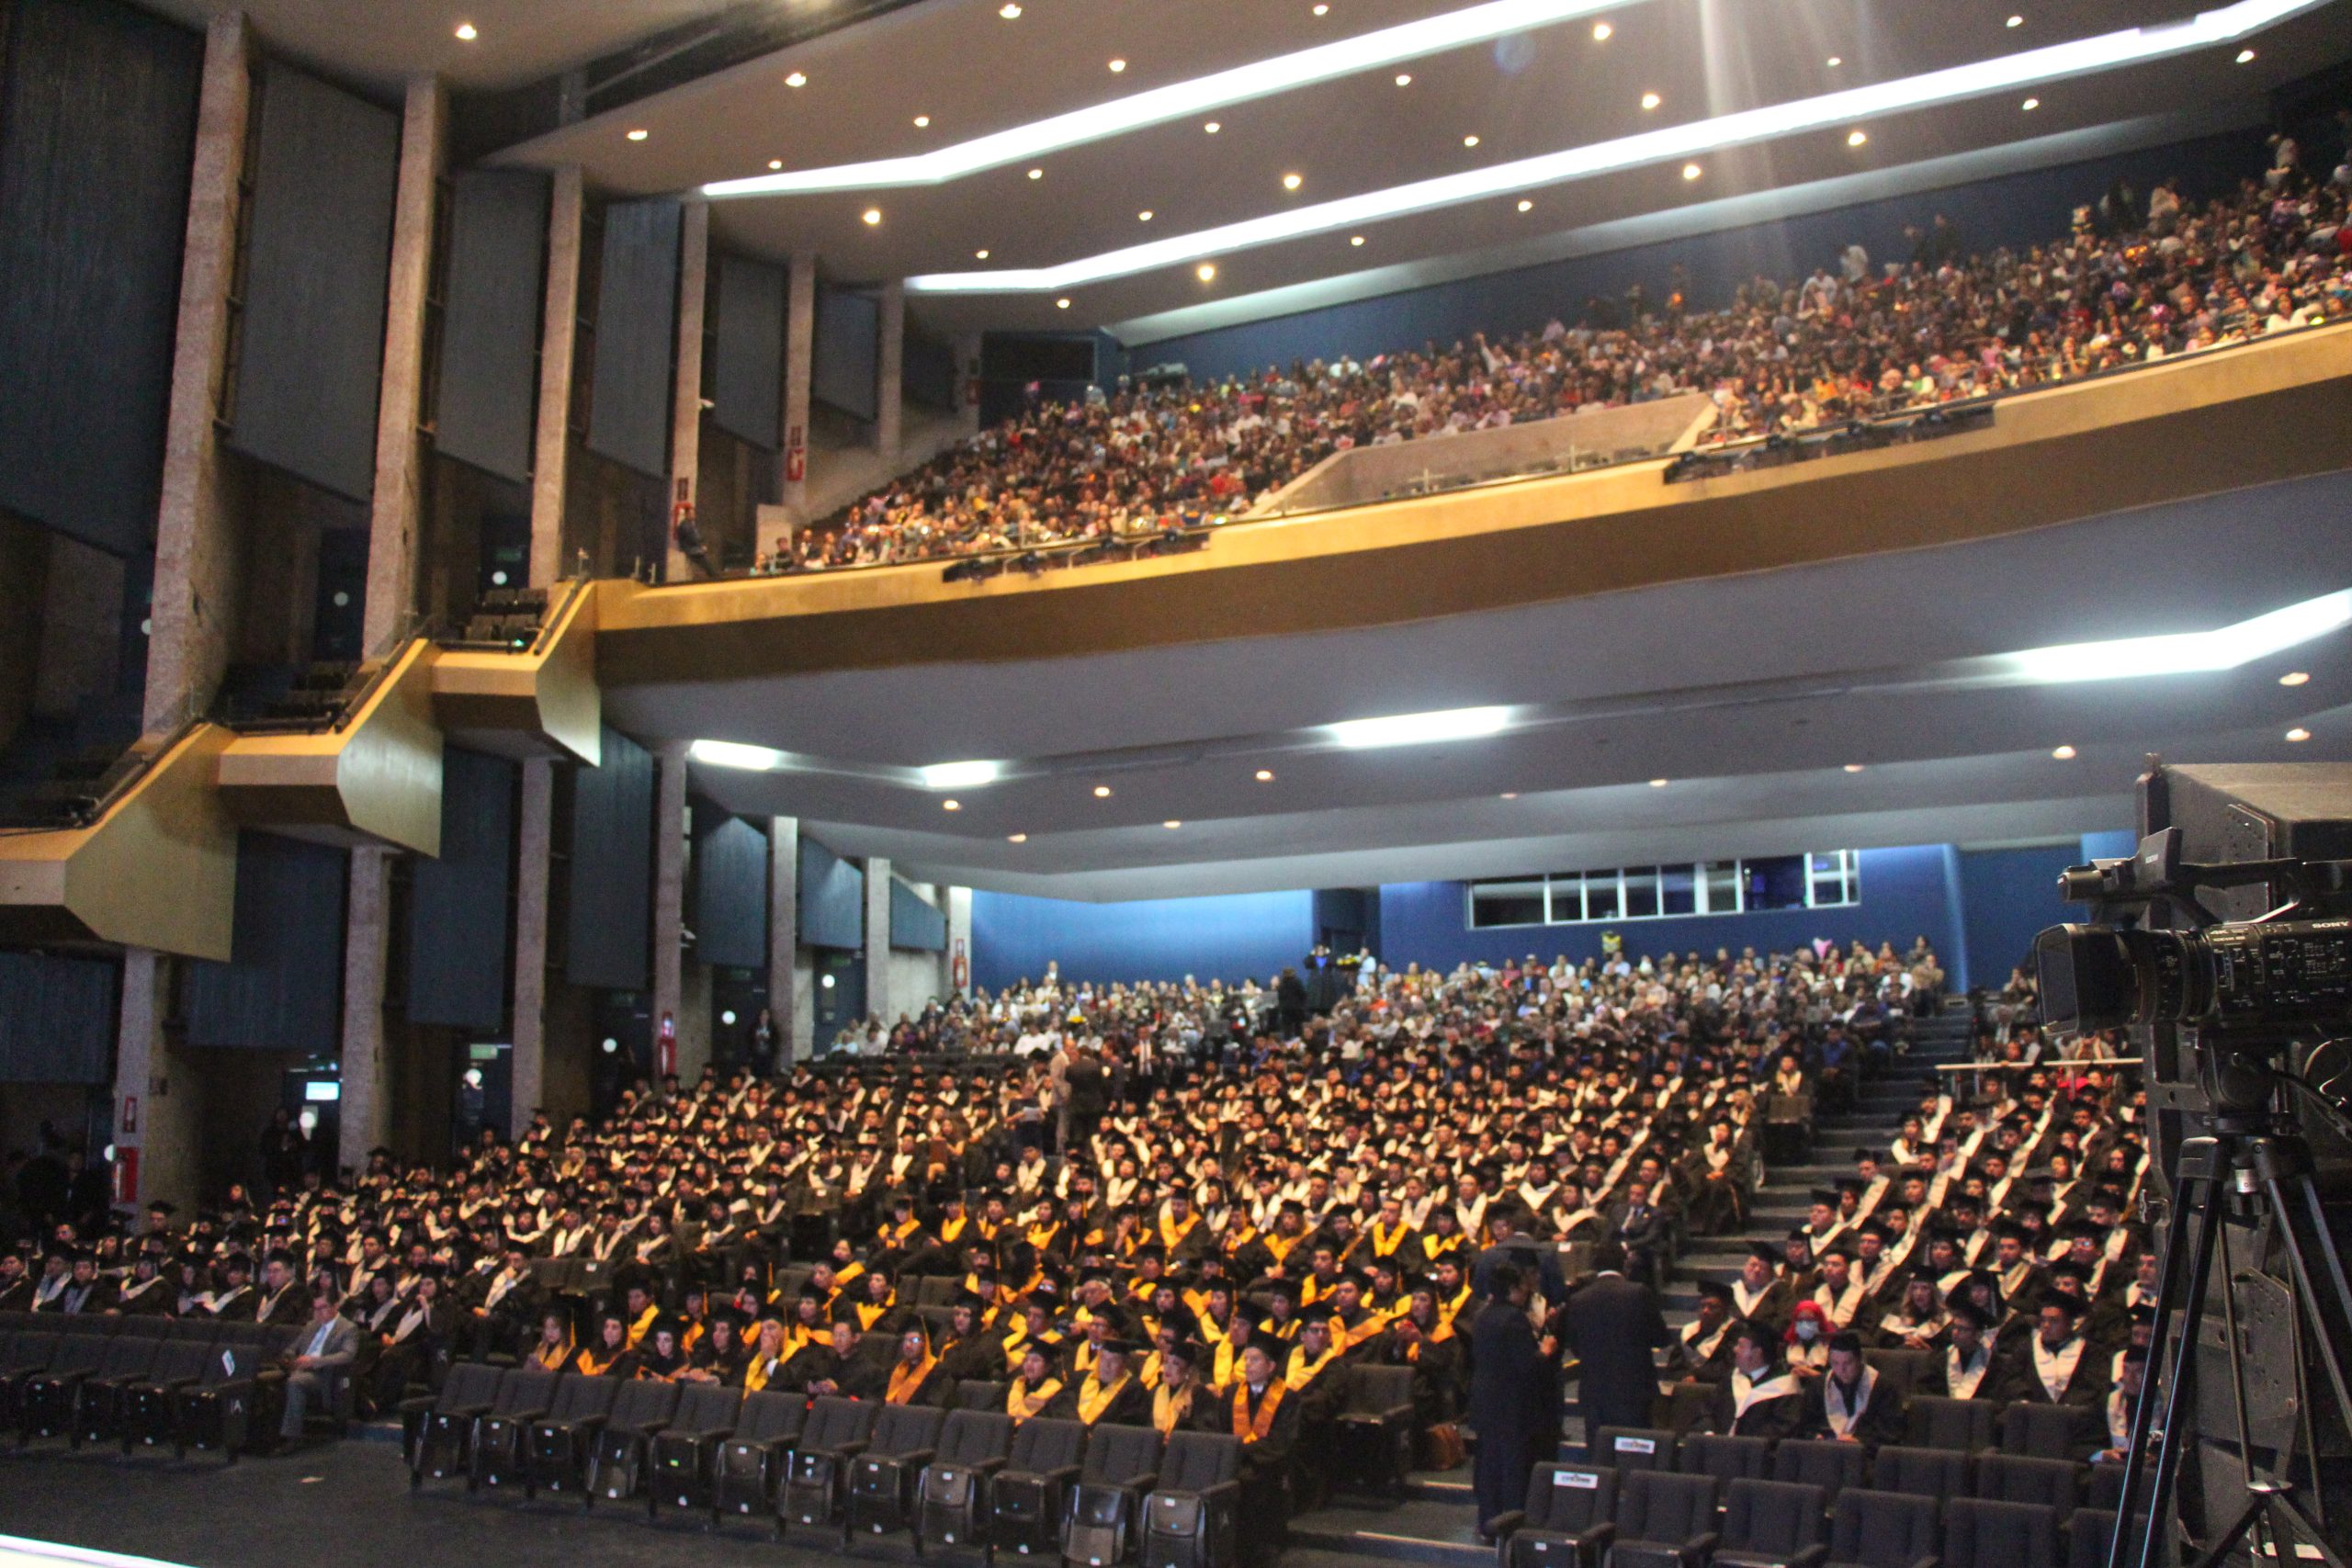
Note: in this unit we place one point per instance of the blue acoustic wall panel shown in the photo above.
(57, 1019)
(310, 344)
(747, 351)
(731, 890)
(97, 130)
(914, 923)
(637, 317)
(833, 898)
(611, 924)
(2010, 894)
(1235, 936)
(282, 988)
(489, 336)
(458, 924)
(848, 328)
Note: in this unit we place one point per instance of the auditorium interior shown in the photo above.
(1199, 783)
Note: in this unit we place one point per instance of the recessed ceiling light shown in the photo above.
(2030, 105)
(980, 256)
(1600, 32)
(1145, 216)
(798, 79)
(1205, 272)
(2063, 753)
(951, 806)
(959, 775)
(1835, 61)
(1171, 822)
(775, 162)
(1404, 78)
(1036, 173)
(1856, 138)
(2299, 734)
(1510, 794)
(1009, 10)
(1471, 141)
(2245, 57)
(1526, 205)
(1853, 767)
(1062, 304)
(1355, 239)
(735, 754)
(923, 121)
(638, 133)
(873, 215)
(1691, 171)
(2014, 22)
(1117, 66)
(467, 32)
(1102, 792)
(2294, 677)
(1651, 100)
(1322, 10)
(1657, 783)
(1292, 182)
(1213, 128)
(1417, 728)
(1265, 775)
(1016, 837)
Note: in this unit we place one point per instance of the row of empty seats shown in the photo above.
(180, 1383)
(1933, 1421)
(1598, 1517)
(967, 1476)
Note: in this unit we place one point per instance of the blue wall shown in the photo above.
(2011, 894)
(833, 898)
(2015, 210)
(1240, 936)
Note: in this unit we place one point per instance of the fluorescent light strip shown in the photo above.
(735, 754)
(1262, 78)
(960, 775)
(2184, 653)
(1668, 143)
(1418, 729)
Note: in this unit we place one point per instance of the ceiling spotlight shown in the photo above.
(638, 133)
(1856, 138)
(1265, 775)
(798, 79)
(1102, 792)
(980, 256)
(1205, 272)
(1145, 216)
(1470, 140)
(2063, 753)
(1016, 837)
(1117, 66)
(873, 215)
(1691, 171)
(1835, 61)
(2299, 734)
(2245, 57)
(1355, 239)
(1292, 182)
(959, 775)
(1657, 783)
(1526, 205)
(2294, 677)
(2030, 105)
(1510, 794)
(2014, 22)
(1651, 100)
(1009, 10)
(775, 162)
(1600, 32)
(1171, 822)
(951, 806)
(1036, 173)
(1062, 303)
(1853, 767)
(1404, 78)
(466, 33)
(923, 121)
(1322, 10)
(1213, 128)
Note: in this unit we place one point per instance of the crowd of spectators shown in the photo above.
(2137, 279)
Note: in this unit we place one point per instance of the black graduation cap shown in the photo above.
(2073, 1306)
(1827, 1196)
(1710, 1289)
(1768, 1252)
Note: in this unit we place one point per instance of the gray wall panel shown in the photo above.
(637, 316)
(833, 898)
(97, 131)
(730, 921)
(458, 923)
(57, 1019)
(317, 263)
(490, 337)
(746, 374)
(914, 921)
(611, 925)
(849, 328)
(282, 989)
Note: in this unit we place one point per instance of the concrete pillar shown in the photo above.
(967, 372)
(784, 938)
(670, 894)
(196, 555)
(685, 413)
(367, 1109)
(535, 836)
(879, 1002)
(558, 339)
(889, 366)
(800, 361)
(959, 939)
(397, 512)
(158, 1098)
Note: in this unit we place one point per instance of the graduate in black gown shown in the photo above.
(1509, 1396)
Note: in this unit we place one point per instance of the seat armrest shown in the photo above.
(522, 1418)
(1397, 1412)
(233, 1385)
(1927, 1563)
(986, 1466)
(1222, 1492)
(1064, 1475)
(1813, 1557)
(1700, 1547)
(1507, 1522)
(715, 1435)
(1602, 1534)
(915, 1459)
(1136, 1484)
(423, 1405)
(647, 1429)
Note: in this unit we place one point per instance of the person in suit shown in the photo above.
(319, 1361)
(1640, 1227)
(1761, 1398)
(1851, 1403)
(1612, 1325)
(1509, 1402)
(1515, 1245)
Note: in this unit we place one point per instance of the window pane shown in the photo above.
(1507, 903)
(1830, 865)
(1568, 897)
(1776, 882)
(1600, 895)
(1678, 890)
(1641, 891)
(1723, 886)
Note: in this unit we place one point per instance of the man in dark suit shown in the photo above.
(1760, 1399)
(1509, 1396)
(317, 1363)
(1640, 1228)
(1538, 1264)
(1612, 1325)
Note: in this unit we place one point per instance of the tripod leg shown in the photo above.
(2326, 1335)
(2207, 1224)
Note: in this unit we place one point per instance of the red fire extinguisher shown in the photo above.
(665, 1048)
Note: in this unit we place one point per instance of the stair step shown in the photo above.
(1416, 1531)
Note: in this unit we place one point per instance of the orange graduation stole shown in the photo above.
(1252, 1428)
(905, 1380)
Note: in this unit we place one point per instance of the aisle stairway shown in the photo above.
(1433, 1522)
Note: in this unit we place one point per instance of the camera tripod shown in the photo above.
(2250, 1156)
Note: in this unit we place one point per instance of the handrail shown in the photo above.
(118, 780)
(555, 614)
(2037, 1066)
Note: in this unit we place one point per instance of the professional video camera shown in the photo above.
(2224, 946)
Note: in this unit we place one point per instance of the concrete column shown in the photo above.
(784, 937)
(959, 938)
(685, 413)
(367, 1109)
(967, 372)
(558, 339)
(879, 1002)
(196, 555)
(158, 1100)
(670, 895)
(397, 512)
(535, 836)
(800, 361)
(889, 366)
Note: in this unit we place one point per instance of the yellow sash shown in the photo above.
(1253, 1428)
(1021, 1402)
(1300, 1371)
(1169, 1410)
(1094, 1398)
(642, 1326)
(906, 1380)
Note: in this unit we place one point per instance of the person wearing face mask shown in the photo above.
(1807, 1344)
